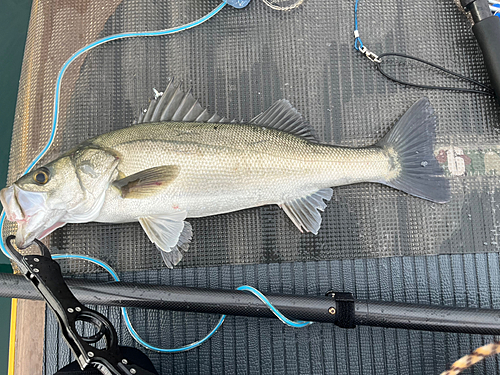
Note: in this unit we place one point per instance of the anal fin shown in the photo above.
(170, 234)
(304, 211)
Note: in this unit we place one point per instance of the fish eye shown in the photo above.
(41, 176)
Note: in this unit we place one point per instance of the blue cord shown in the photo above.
(98, 43)
(128, 323)
(100, 263)
(2, 244)
(495, 8)
(175, 350)
(279, 315)
(135, 335)
(358, 44)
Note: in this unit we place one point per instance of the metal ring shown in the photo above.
(277, 7)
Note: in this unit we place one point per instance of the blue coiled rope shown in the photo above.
(135, 335)
(114, 275)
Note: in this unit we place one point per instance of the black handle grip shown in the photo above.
(487, 32)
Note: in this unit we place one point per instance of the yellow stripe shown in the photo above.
(12, 340)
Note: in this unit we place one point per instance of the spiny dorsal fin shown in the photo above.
(282, 116)
(147, 182)
(175, 105)
(303, 211)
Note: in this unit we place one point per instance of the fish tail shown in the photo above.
(411, 142)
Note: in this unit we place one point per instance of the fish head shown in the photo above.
(70, 189)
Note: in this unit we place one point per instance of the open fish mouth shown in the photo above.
(10, 204)
(29, 210)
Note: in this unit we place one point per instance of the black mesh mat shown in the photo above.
(372, 238)
(242, 61)
(254, 346)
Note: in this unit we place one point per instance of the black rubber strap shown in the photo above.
(345, 310)
(487, 90)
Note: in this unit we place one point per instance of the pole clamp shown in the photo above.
(345, 311)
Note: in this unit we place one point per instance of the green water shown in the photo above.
(14, 18)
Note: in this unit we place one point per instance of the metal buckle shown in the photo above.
(370, 55)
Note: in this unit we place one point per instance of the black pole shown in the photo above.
(233, 302)
(487, 31)
(163, 297)
(428, 317)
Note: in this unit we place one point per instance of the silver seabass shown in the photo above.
(180, 162)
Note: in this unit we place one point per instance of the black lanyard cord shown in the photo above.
(378, 61)
(379, 64)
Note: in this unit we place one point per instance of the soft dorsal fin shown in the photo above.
(282, 116)
(176, 105)
(303, 211)
(147, 182)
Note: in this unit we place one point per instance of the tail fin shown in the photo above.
(412, 139)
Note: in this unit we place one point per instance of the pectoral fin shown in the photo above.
(303, 211)
(145, 183)
(170, 234)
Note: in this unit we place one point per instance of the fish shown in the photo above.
(178, 161)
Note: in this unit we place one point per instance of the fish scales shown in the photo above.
(228, 167)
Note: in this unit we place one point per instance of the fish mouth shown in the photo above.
(10, 205)
(29, 210)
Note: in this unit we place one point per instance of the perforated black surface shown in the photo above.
(238, 64)
(242, 61)
(251, 345)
